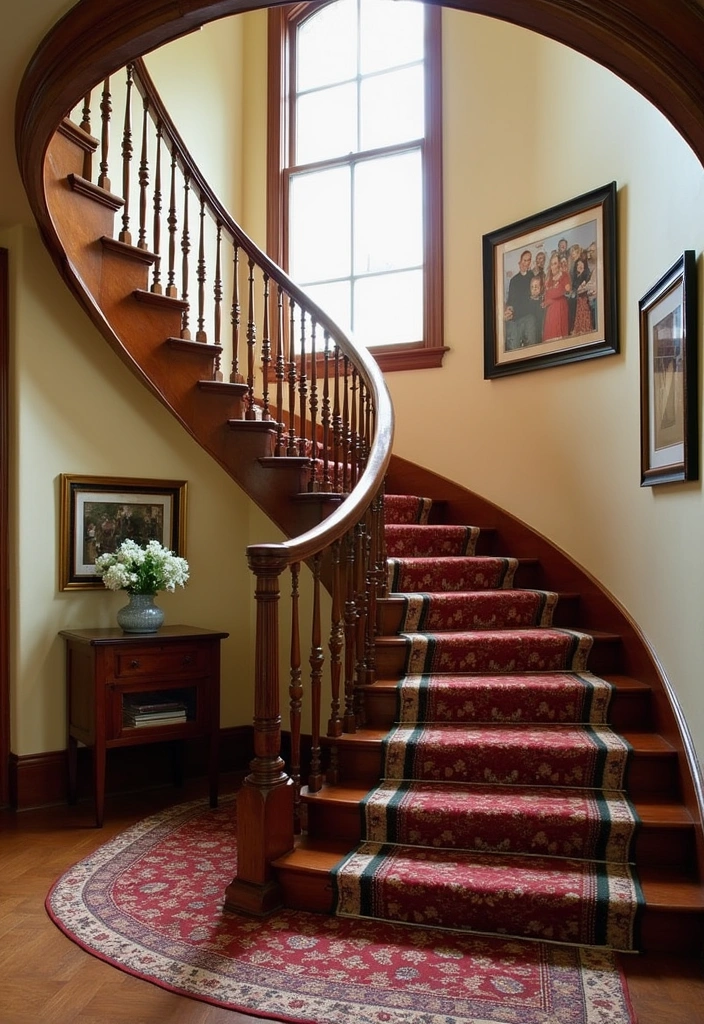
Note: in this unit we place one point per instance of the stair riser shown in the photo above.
(661, 930)
(391, 612)
(630, 711)
(655, 846)
(649, 777)
(391, 656)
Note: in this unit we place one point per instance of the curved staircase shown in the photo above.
(307, 432)
(507, 754)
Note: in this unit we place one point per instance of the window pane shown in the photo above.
(388, 213)
(397, 91)
(390, 34)
(335, 299)
(326, 124)
(388, 310)
(320, 225)
(327, 46)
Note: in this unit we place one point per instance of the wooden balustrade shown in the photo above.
(322, 397)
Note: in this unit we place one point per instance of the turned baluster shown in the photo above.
(302, 389)
(235, 314)
(125, 235)
(172, 220)
(185, 250)
(325, 484)
(266, 352)
(373, 585)
(362, 548)
(349, 720)
(85, 126)
(295, 691)
(291, 448)
(354, 436)
(250, 414)
(157, 200)
(280, 371)
(105, 115)
(336, 425)
(335, 646)
(217, 303)
(143, 178)
(313, 407)
(315, 779)
(345, 432)
(201, 334)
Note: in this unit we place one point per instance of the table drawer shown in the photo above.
(152, 661)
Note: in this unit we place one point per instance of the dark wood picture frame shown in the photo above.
(99, 512)
(669, 412)
(527, 329)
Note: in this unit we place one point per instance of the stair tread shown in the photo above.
(644, 742)
(670, 888)
(663, 888)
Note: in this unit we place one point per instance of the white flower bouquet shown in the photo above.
(142, 570)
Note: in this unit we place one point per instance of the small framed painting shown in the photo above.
(99, 512)
(550, 286)
(668, 376)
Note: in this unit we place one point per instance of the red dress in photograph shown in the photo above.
(556, 322)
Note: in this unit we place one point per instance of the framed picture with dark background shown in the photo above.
(668, 376)
(99, 512)
(550, 287)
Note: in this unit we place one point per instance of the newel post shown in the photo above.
(265, 801)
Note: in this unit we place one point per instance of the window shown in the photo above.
(355, 202)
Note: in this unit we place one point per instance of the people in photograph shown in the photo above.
(536, 299)
(539, 268)
(519, 317)
(563, 248)
(582, 314)
(557, 288)
(593, 282)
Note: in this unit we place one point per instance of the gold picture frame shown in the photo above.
(99, 512)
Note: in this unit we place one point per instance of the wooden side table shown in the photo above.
(125, 689)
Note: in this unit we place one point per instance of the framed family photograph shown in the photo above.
(668, 376)
(550, 286)
(99, 512)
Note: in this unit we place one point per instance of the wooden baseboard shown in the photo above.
(37, 780)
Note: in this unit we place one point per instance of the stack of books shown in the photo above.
(136, 715)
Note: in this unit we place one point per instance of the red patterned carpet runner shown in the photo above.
(501, 807)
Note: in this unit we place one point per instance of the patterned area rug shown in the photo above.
(150, 903)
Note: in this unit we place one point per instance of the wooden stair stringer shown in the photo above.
(598, 611)
(111, 281)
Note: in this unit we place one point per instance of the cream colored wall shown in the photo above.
(528, 124)
(200, 77)
(78, 410)
(559, 448)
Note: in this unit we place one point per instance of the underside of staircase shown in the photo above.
(517, 743)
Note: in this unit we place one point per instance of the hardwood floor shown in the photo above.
(44, 977)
